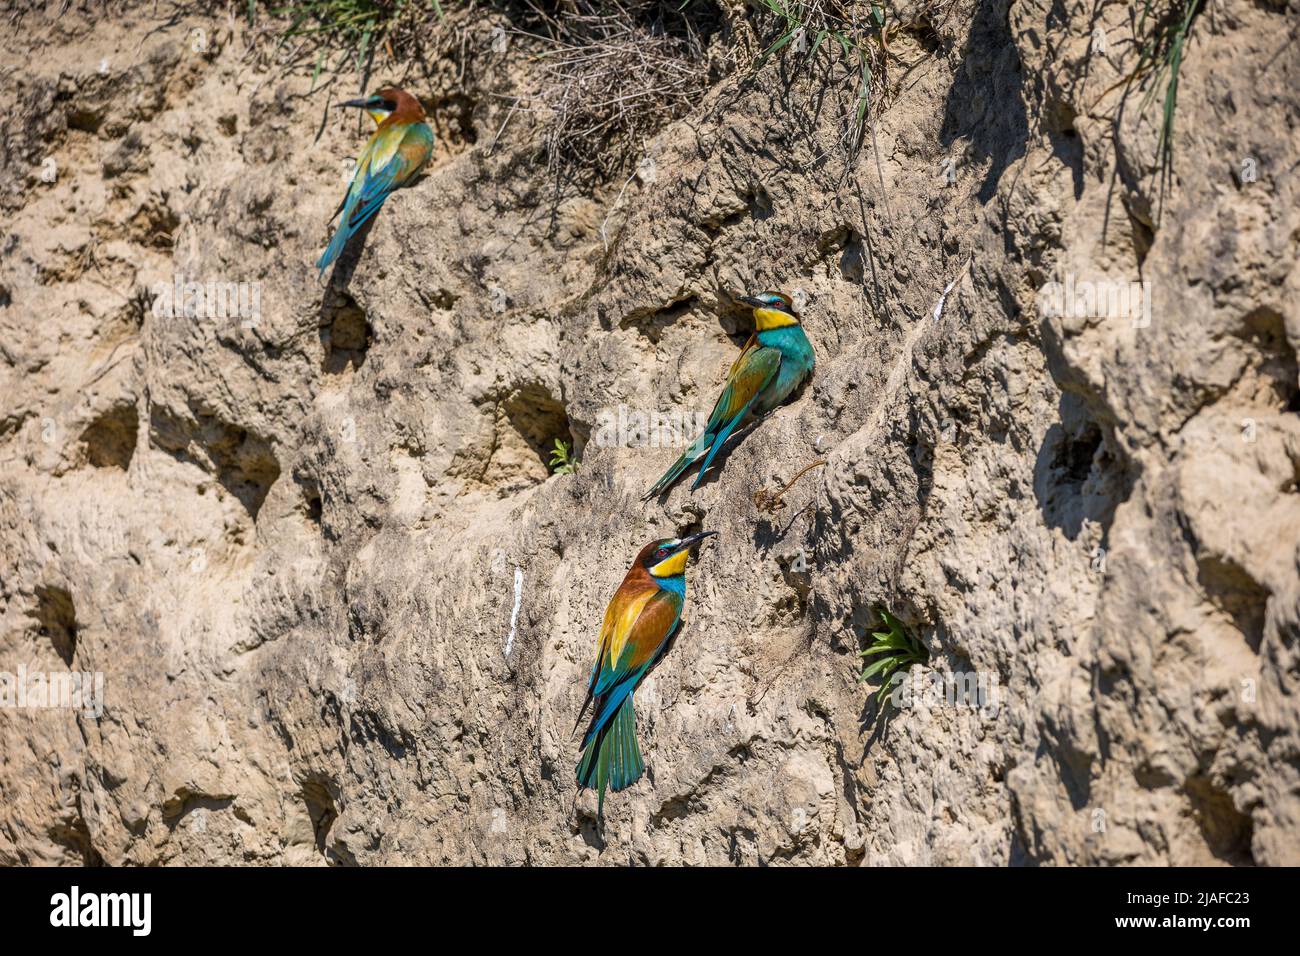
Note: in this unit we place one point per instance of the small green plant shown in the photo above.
(1164, 28)
(1162, 31)
(806, 25)
(898, 650)
(562, 460)
(820, 19)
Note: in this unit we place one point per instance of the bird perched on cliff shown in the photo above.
(393, 157)
(640, 624)
(775, 360)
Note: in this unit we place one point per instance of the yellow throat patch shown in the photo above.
(765, 319)
(672, 566)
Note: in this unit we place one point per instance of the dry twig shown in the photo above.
(771, 503)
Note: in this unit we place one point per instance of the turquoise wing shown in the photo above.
(404, 163)
(374, 180)
(750, 374)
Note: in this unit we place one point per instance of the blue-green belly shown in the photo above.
(796, 363)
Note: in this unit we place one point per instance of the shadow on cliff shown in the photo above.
(876, 719)
(984, 106)
(342, 325)
(345, 266)
(1080, 474)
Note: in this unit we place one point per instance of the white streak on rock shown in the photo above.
(938, 308)
(514, 613)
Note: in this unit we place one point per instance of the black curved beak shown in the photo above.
(692, 540)
(359, 104)
(753, 303)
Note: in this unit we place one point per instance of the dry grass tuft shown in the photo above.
(613, 72)
(597, 76)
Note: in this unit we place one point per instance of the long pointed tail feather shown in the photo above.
(716, 446)
(612, 759)
(721, 440)
(689, 457)
(340, 238)
(348, 227)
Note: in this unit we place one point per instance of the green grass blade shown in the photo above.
(821, 35)
(877, 667)
(876, 649)
(785, 38)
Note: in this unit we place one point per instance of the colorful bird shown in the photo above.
(393, 157)
(775, 360)
(640, 625)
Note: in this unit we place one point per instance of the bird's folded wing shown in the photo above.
(374, 190)
(394, 158)
(749, 376)
(750, 343)
(626, 600)
(416, 147)
(637, 631)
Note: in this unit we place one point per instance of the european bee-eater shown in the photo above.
(640, 624)
(775, 360)
(393, 157)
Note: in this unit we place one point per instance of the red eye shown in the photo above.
(661, 553)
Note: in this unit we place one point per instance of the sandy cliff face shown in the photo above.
(344, 612)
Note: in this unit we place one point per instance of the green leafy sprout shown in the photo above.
(562, 460)
(1162, 32)
(895, 650)
(810, 24)
(1165, 26)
